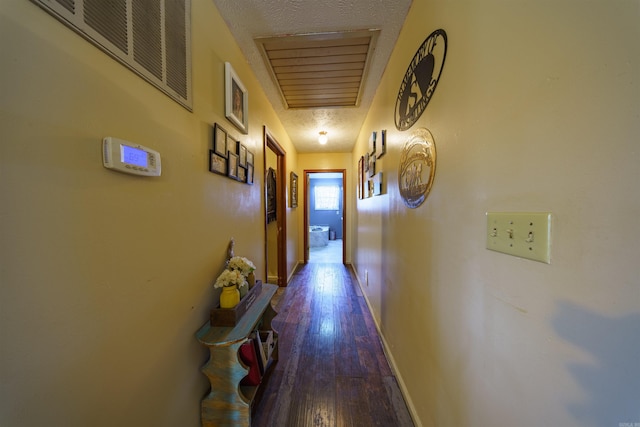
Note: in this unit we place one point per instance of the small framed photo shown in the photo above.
(366, 162)
(372, 143)
(361, 178)
(249, 157)
(250, 174)
(242, 154)
(232, 165)
(236, 99)
(220, 141)
(383, 143)
(377, 184)
(293, 190)
(372, 166)
(217, 163)
(242, 174)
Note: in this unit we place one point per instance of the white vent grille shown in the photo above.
(151, 37)
(147, 32)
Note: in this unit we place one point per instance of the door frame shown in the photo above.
(270, 143)
(344, 210)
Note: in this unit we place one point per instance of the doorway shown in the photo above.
(324, 216)
(275, 211)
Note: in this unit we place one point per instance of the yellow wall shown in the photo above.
(537, 109)
(309, 161)
(106, 277)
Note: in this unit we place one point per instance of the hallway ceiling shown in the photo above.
(344, 41)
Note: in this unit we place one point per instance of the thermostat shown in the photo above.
(127, 157)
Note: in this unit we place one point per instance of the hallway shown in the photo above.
(331, 370)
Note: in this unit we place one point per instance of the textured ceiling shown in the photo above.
(252, 19)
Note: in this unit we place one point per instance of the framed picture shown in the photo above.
(217, 163)
(250, 174)
(249, 157)
(366, 162)
(236, 99)
(372, 143)
(377, 184)
(293, 190)
(383, 143)
(361, 178)
(242, 154)
(372, 166)
(270, 184)
(232, 165)
(220, 141)
(242, 174)
(232, 144)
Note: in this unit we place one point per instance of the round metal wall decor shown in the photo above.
(417, 168)
(420, 80)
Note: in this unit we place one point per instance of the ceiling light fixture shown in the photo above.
(323, 138)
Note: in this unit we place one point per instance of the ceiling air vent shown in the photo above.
(319, 70)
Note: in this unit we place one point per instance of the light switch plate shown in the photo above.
(521, 234)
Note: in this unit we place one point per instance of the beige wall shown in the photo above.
(106, 277)
(309, 161)
(537, 109)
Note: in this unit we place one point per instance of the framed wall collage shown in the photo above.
(370, 177)
(230, 157)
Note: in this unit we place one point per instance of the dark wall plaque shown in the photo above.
(420, 80)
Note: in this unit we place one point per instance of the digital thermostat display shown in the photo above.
(127, 157)
(134, 156)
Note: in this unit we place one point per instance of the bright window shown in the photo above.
(327, 198)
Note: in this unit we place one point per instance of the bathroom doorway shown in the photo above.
(324, 216)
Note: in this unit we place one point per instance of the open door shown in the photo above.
(275, 211)
(325, 221)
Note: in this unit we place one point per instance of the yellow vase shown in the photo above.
(251, 279)
(230, 297)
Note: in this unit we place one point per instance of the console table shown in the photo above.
(228, 403)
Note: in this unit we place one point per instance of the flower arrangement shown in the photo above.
(241, 264)
(230, 278)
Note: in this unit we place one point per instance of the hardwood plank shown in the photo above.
(350, 409)
(381, 408)
(397, 402)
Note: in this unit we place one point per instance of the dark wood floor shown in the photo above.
(331, 370)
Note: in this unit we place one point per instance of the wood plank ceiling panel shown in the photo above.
(319, 70)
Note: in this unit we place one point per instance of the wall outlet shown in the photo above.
(521, 234)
